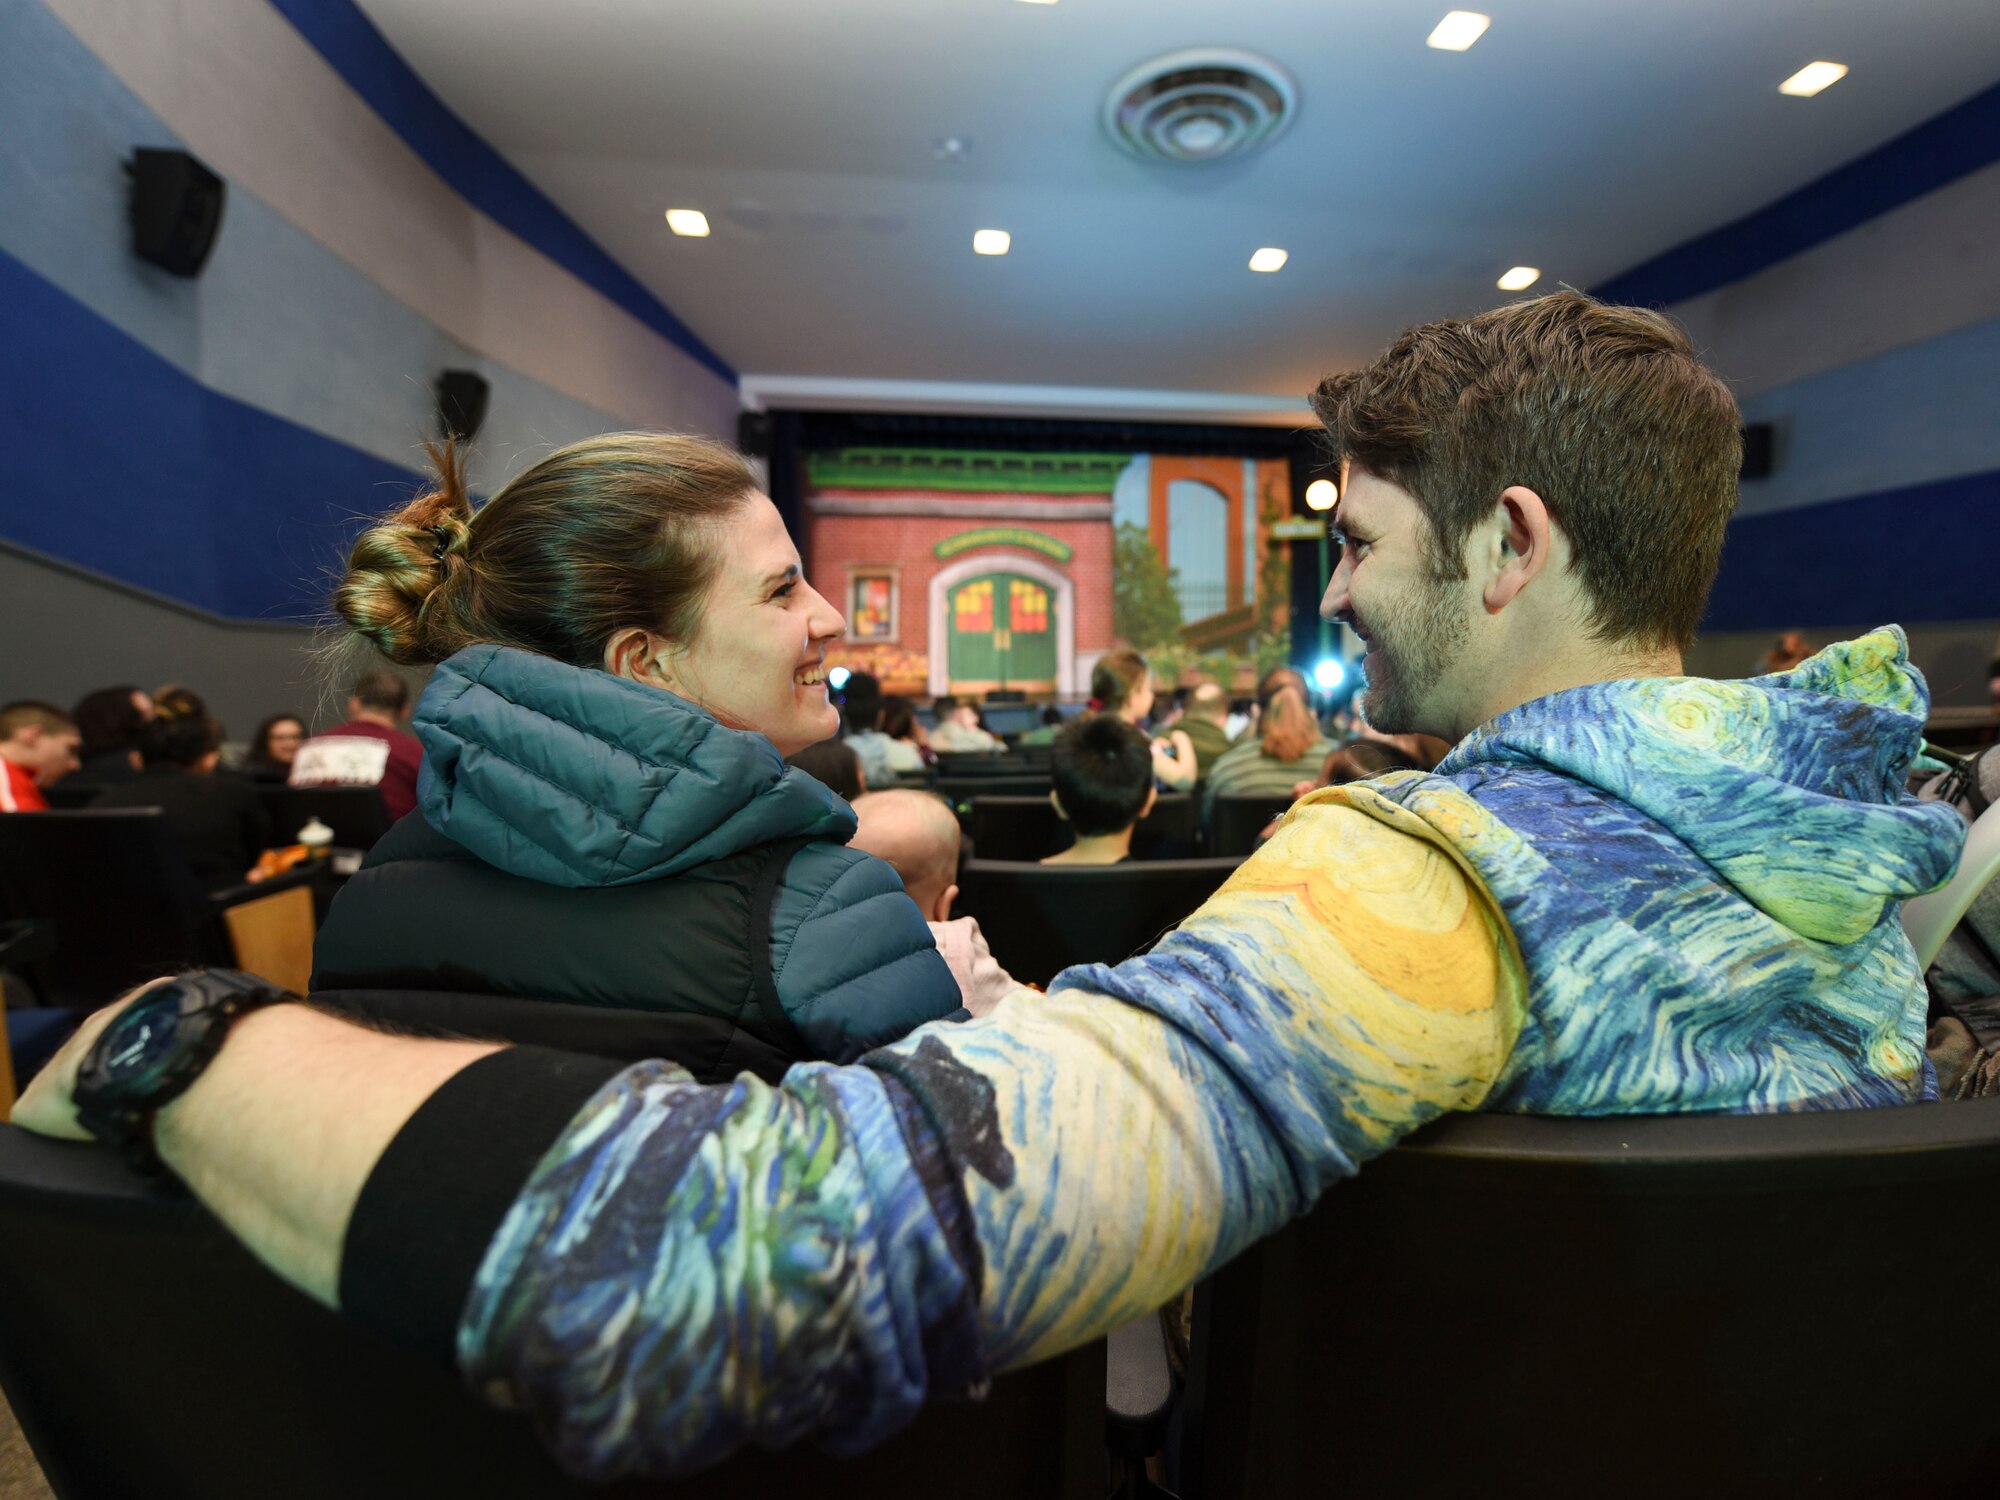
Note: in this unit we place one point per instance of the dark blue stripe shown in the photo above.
(1943, 149)
(348, 40)
(1922, 553)
(121, 462)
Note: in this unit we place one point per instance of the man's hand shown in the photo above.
(48, 1107)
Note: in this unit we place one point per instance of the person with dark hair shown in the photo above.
(1122, 683)
(1045, 732)
(274, 748)
(1207, 707)
(109, 721)
(37, 746)
(1102, 770)
(1556, 922)
(907, 754)
(861, 726)
(834, 765)
(219, 821)
(389, 757)
(624, 650)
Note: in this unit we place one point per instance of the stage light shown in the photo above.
(1458, 30)
(991, 241)
(1270, 258)
(691, 222)
(1329, 675)
(1321, 495)
(1519, 279)
(1813, 77)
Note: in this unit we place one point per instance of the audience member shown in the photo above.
(1207, 707)
(835, 766)
(958, 730)
(219, 821)
(274, 748)
(109, 721)
(1289, 748)
(378, 711)
(1102, 770)
(625, 649)
(1964, 978)
(861, 720)
(908, 754)
(1563, 922)
(1045, 732)
(1787, 652)
(1122, 684)
(917, 833)
(38, 743)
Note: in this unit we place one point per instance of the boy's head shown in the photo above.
(39, 738)
(918, 834)
(1102, 769)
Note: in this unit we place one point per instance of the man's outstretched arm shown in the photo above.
(685, 1269)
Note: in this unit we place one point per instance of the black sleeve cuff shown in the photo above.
(437, 1196)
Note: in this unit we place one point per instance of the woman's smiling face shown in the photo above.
(758, 659)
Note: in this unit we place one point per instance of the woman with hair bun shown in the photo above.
(1122, 684)
(219, 821)
(626, 650)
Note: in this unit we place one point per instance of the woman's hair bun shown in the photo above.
(400, 566)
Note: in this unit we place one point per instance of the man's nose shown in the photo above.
(1333, 604)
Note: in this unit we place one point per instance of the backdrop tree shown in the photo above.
(1145, 598)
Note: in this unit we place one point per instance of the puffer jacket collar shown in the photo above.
(574, 777)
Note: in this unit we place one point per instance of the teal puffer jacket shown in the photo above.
(573, 778)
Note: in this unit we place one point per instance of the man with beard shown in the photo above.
(1623, 891)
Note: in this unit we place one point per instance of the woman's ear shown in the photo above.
(639, 656)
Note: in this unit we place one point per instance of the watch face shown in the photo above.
(144, 1037)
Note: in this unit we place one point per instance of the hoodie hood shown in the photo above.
(1790, 787)
(573, 777)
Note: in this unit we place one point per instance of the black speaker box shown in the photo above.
(176, 209)
(461, 398)
(1757, 450)
(753, 433)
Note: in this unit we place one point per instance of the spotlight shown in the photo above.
(1329, 675)
(1321, 494)
(837, 678)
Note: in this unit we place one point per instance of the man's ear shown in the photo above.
(941, 908)
(1518, 543)
(633, 654)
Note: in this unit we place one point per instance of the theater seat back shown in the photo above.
(1670, 1307)
(146, 1354)
(1029, 828)
(354, 813)
(1040, 919)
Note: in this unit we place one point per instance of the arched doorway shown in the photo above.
(1001, 621)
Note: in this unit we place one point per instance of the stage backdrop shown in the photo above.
(964, 570)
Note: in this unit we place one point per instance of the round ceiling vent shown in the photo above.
(1207, 104)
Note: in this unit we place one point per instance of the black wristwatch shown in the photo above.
(157, 1046)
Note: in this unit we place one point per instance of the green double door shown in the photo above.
(1002, 629)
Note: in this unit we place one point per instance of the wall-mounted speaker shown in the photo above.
(753, 433)
(461, 400)
(176, 209)
(1757, 450)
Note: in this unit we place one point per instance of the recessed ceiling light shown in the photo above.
(991, 241)
(1038, 2)
(1519, 279)
(1458, 30)
(1321, 494)
(1813, 77)
(691, 222)
(1270, 258)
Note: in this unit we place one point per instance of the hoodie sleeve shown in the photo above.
(691, 1268)
(853, 959)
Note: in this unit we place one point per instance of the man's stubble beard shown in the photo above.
(1414, 645)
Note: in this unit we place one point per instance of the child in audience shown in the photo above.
(834, 765)
(37, 744)
(1103, 773)
(917, 833)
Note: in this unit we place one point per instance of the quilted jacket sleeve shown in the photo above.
(855, 964)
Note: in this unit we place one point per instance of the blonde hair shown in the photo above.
(1289, 728)
(606, 533)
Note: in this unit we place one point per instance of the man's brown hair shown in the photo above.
(1603, 411)
(24, 712)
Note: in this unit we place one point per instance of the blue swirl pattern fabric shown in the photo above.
(1632, 897)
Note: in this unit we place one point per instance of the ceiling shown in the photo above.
(1580, 136)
